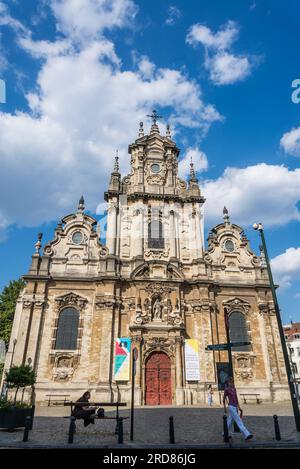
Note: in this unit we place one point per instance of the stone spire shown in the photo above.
(115, 178)
(226, 216)
(192, 172)
(116, 166)
(81, 205)
(38, 244)
(168, 132)
(154, 127)
(141, 130)
(263, 262)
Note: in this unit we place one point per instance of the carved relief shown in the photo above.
(152, 344)
(65, 365)
(70, 299)
(243, 366)
(236, 304)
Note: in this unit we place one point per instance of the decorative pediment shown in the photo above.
(71, 299)
(237, 304)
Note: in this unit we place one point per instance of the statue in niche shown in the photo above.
(147, 307)
(157, 309)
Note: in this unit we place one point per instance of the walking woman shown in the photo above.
(233, 409)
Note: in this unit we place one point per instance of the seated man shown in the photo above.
(87, 412)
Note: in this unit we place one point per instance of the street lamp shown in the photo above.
(13, 352)
(259, 227)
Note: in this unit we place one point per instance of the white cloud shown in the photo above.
(290, 142)
(286, 267)
(221, 40)
(173, 15)
(87, 19)
(223, 66)
(226, 69)
(199, 160)
(260, 193)
(84, 105)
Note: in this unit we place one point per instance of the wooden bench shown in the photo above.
(54, 401)
(250, 396)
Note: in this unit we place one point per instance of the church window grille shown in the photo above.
(238, 331)
(67, 329)
(155, 231)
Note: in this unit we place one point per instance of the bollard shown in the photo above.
(120, 431)
(276, 428)
(71, 430)
(225, 429)
(27, 428)
(171, 431)
(32, 416)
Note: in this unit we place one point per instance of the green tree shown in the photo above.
(8, 300)
(19, 377)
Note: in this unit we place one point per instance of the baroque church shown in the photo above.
(155, 287)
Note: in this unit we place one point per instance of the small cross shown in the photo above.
(154, 116)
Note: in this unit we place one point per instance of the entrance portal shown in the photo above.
(158, 379)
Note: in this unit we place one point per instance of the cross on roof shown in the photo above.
(154, 116)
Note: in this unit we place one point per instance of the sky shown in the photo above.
(81, 74)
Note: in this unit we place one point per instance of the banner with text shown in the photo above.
(191, 353)
(122, 359)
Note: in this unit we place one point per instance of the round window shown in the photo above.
(155, 168)
(229, 245)
(77, 237)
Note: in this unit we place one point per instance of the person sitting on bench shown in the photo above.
(87, 412)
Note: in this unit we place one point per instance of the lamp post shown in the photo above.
(13, 352)
(259, 228)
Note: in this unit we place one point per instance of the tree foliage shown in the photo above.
(8, 300)
(19, 377)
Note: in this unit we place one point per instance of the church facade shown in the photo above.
(153, 283)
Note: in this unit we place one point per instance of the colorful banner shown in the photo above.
(122, 359)
(191, 353)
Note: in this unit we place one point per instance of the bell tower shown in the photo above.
(152, 213)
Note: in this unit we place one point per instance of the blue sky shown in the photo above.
(81, 74)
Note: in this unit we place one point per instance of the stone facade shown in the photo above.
(153, 281)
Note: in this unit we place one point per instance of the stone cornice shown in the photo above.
(145, 196)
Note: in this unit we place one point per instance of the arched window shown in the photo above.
(238, 331)
(67, 329)
(155, 235)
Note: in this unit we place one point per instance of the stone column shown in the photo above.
(176, 231)
(139, 233)
(179, 381)
(172, 230)
(111, 233)
(199, 240)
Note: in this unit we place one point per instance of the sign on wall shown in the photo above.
(191, 353)
(122, 359)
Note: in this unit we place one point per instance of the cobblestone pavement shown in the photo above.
(193, 426)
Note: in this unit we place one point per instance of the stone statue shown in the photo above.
(157, 309)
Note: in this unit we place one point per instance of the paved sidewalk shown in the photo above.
(194, 427)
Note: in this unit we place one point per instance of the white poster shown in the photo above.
(191, 353)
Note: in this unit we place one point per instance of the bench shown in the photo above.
(250, 396)
(62, 401)
(100, 404)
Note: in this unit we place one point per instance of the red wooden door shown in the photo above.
(158, 379)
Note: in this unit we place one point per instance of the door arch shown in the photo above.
(158, 379)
